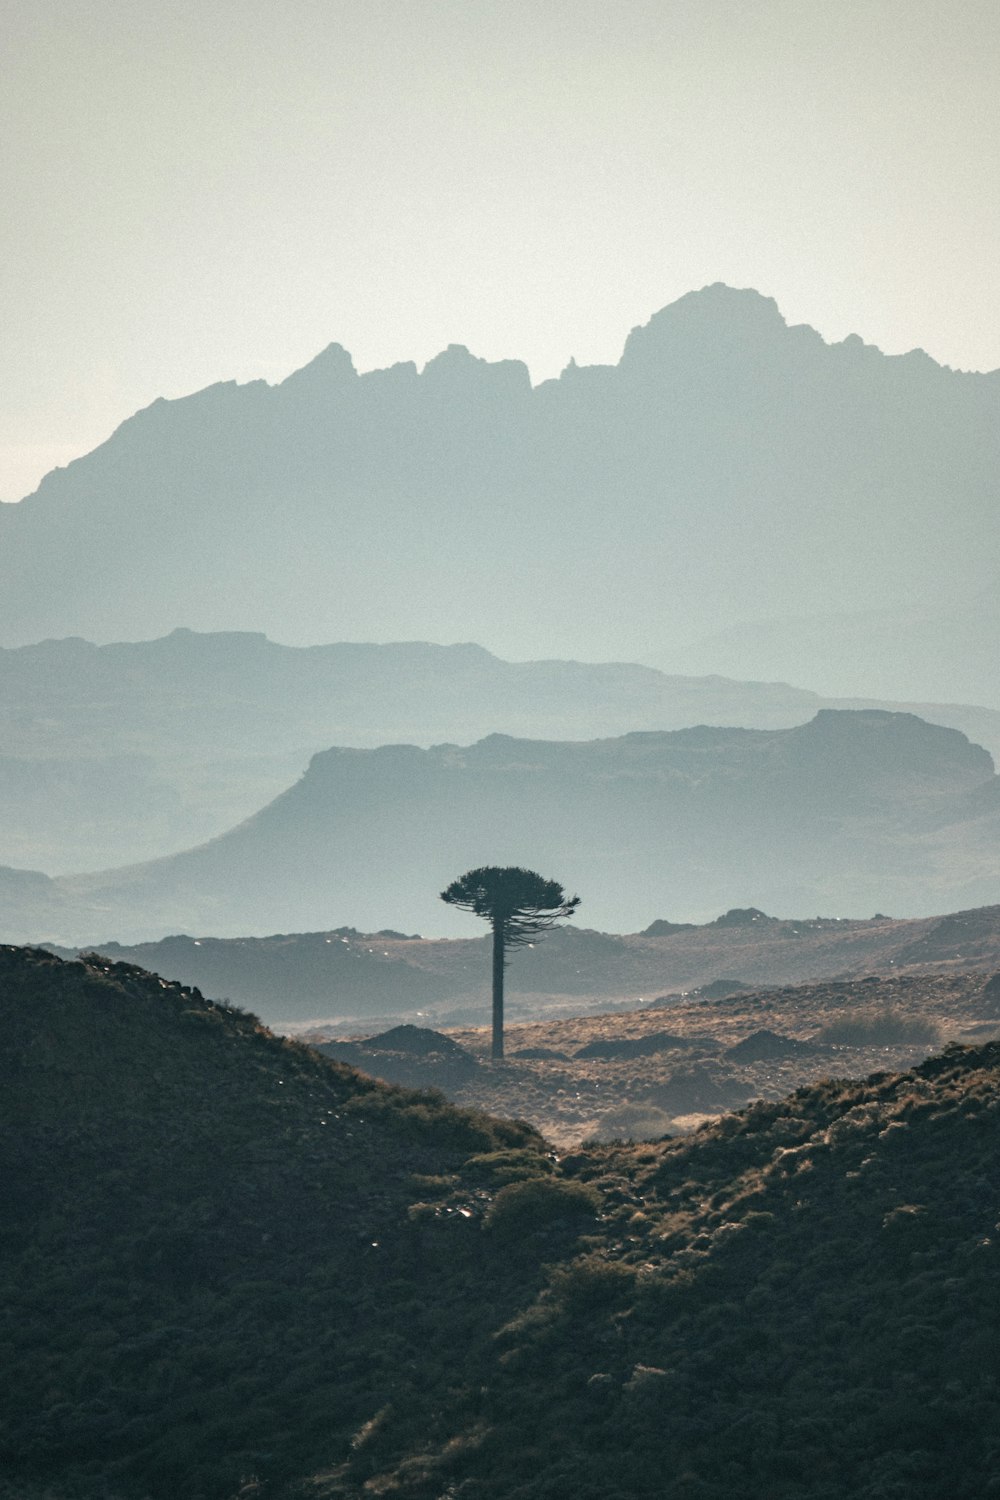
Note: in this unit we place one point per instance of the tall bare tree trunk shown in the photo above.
(498, 956)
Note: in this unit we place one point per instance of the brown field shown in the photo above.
(711, 1056)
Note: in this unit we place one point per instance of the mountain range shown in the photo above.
(118, 753)
(852, 812)
(634, 511)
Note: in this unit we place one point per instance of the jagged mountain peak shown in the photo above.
(718, 326)
(727, 462)
(333, 366)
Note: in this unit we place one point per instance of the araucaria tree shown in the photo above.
(518, 904)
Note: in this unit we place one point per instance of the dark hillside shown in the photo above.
(797, 1302)
(207, 1265)
(233, 1268)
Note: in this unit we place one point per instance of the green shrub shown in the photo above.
(501, 1167)
(882, 1027)
(591, 1284)
(539, 1203)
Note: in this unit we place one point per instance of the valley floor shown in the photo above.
(642, 1073)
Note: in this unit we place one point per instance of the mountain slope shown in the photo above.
(923, 649)
(797, 1302)
(727, 461)
(231, 1267)
(853, 811)
(111, 754)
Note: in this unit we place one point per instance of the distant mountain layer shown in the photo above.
(294, 977)
(111, 754)
(922, 651)
(728, 468)
(852, 812)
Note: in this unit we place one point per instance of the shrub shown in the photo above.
(591, 1284)
(501, 1167)
(884, 1027)
(539, 1203)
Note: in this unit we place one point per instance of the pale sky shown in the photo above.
(198, 190)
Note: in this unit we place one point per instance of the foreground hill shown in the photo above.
(726, 461)
(222, 1221)
(852, 811)
(294, 977)
(232, 1267)
(110, 754)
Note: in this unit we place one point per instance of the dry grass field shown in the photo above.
(639, 1074)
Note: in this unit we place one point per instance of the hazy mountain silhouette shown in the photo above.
(850, 813)
(923, 650)
(110, 754)
(729, 467)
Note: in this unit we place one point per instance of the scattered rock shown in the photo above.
(413, 1056)
(742, 916)
(721, 989)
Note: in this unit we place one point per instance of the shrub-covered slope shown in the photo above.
(208, 1269)
(231, 1267)
(798, 1302)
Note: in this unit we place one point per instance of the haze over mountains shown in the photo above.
(230, 1266)
(851, 813)
(123, 752)
(728, 469)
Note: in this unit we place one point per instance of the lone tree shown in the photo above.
(518, 904)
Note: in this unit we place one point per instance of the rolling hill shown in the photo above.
(230, 1266)
(290, 978)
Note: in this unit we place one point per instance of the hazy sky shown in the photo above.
(200, 191)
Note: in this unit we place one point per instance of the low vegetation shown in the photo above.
(880, 1028)
(231, 1268)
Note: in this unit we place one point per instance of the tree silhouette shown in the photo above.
(518, 904)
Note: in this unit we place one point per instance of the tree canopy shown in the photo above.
(518, 904)
(524, 902)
